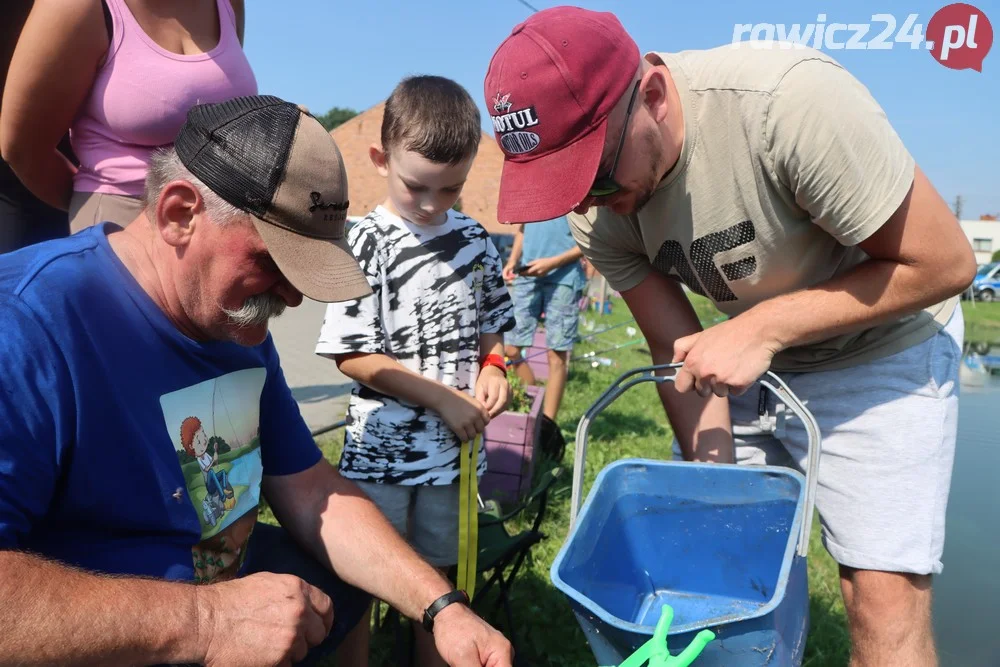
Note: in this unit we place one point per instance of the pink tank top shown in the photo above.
(141, 96)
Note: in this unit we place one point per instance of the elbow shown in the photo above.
(11, 152)
(11, 148)
(961, 270)
(15, 151)
(343, 362)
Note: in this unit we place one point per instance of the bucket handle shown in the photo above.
(650, 374)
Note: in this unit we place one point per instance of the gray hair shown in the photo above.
(165, 166)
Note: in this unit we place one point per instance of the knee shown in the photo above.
(888, 605)
(513, 353)
(558, 359)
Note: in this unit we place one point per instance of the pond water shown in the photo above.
(967, 592)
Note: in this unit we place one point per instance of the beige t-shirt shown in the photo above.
(788, 163)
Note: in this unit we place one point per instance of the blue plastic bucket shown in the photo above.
(716, 542)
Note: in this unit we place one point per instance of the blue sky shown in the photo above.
(351, 54)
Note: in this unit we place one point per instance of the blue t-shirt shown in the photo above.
(125, 446)
(548, 239)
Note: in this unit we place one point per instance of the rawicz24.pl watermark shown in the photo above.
(959, 35)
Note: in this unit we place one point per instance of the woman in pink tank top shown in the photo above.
(121, 74)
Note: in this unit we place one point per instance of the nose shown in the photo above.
(429, 206)
(289, 294)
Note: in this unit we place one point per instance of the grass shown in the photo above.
(982, 322)
(635, 426)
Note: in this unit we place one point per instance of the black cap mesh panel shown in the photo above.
(239, 148)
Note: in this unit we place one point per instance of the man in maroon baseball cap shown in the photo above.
(769, 180)
(551, 88)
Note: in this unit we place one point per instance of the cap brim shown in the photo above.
(322, 269)
(552, 185)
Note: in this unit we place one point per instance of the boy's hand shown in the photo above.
(463, 414)
(492, 390)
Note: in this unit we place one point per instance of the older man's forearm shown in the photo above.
(332, 517)
(51, 614)
(373, 555)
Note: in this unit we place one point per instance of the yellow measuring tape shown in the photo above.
(468, 516)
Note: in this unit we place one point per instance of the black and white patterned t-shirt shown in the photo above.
(436, 288)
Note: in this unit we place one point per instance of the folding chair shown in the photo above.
(551, 440)
(501, 553)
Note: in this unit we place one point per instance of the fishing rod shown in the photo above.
(599, 332)
(593, 353)
(332, 427)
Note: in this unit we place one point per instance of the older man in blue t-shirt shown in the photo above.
(144, 417)
(544, 266)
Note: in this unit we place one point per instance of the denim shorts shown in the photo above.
(561, 305)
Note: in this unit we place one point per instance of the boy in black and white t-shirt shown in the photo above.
(425, 349)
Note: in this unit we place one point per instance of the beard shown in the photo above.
(256, 310)
(652, 155)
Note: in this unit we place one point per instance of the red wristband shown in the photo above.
(493, 360)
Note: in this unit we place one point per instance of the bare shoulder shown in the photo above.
(76, 24)
(69, 11)
(59, 50)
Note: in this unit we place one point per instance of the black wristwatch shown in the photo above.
(441, 603)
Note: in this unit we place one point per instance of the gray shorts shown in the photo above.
(426, 516)
(889, 430)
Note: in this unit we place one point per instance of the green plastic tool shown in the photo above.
(655, 650)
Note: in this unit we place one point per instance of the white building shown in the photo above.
(984, 235)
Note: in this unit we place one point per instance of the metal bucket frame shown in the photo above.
(642, 374)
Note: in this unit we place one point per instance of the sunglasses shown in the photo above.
(607, 185)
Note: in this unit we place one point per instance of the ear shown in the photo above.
(380, 159)
(179, 207)
(653, 93)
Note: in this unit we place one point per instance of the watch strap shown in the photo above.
(435, 608)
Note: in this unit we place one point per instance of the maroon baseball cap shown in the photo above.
(549, 88)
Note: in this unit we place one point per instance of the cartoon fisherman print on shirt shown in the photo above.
(214, 427)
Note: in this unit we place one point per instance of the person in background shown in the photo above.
(544, 266)
(121, 77)
(24, 219)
